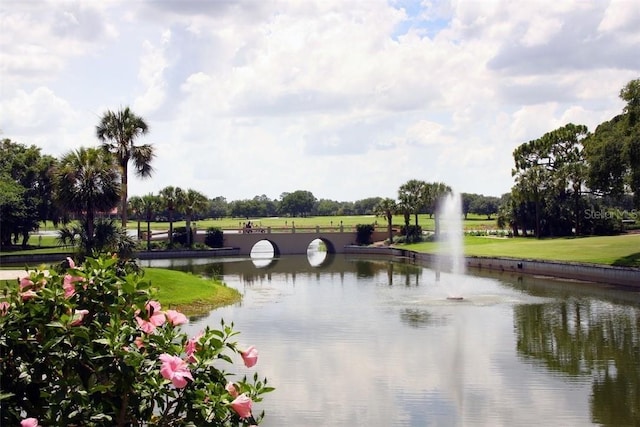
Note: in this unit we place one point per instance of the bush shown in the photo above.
(412, 233)
(363, 234)
(180, 236)
(214, 237)
(88, 346)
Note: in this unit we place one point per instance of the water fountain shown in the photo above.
(451, 248)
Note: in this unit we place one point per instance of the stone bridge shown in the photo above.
(292, 241)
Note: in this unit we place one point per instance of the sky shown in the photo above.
(345, 99)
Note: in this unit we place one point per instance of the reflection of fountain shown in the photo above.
(450, 239)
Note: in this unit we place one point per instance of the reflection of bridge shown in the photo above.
(295, 241)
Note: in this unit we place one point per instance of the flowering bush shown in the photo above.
(85, 346)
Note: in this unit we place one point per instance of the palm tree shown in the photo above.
(136, 208)
(437, 191)
(150, 205)
(386, 208)
(412, 194)
(118, 131)
(169, 196)
(86, 183)
(190, 202)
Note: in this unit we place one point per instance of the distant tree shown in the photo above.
(218, 207)
(118, 130)
(413, 196)
(326, 207)
(484, 205)
(366, 206)
(437, 191)
(298, 203)
(86, 183)
(136, 208)
(169, 198)
(467, 200)
(386, 208)
(150, 205)
(191, 202)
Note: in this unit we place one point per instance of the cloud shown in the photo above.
(241, 96)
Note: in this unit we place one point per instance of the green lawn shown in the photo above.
(623, 250)
(473, 222)
(189, 294)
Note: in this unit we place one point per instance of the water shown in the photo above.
(354, 342)
(451, 247)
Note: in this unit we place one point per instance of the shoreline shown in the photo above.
(595, 273)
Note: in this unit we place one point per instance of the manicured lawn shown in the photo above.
(474, 222)
(187, 293)
(623, 250)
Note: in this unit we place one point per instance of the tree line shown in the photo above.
(559, 177)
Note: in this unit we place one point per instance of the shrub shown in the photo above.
(412, 233)
(180, 236)
(87, 346)
(363, 233)
(214, 237)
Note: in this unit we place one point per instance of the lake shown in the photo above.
(351, 341)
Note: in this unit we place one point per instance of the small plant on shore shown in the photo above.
(90, 346)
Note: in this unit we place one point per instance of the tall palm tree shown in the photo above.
(169, 196)
(150, 204)
(136, 208)
(412, 194)
(86, 183)
(190, 202)
(437, 191)
(118, 131)
(386, 208)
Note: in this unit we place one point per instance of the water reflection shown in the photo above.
(374, 342)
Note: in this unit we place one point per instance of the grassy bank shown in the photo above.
(623, 250)
(192, 295)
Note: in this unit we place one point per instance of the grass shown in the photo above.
(473, 222)
(190, 294)
(622, 250)
(185, 292)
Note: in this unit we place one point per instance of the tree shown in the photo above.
(613, 151)
(387, 208)
(169, 197)
(118, 130)
(27, 173)
(150, 204)
(136, 207)
(297, 203)
(436, 192)
(553, 168)
(86, 183)
(190, 202)
(413, 196)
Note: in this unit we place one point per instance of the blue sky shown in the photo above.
(344, 99)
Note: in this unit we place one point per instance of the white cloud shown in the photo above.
(345, 99)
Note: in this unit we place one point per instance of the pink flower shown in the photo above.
(4, 308)
(68, 286)
(175, 369)
(28, 295)
(231, 388)
(139, 342)
(242, 405)
(78, 317)
(29, 422)
(155, 317)
(250, 356)
(25, 282)
(175, 317)
(191, 347)
(71, 263)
